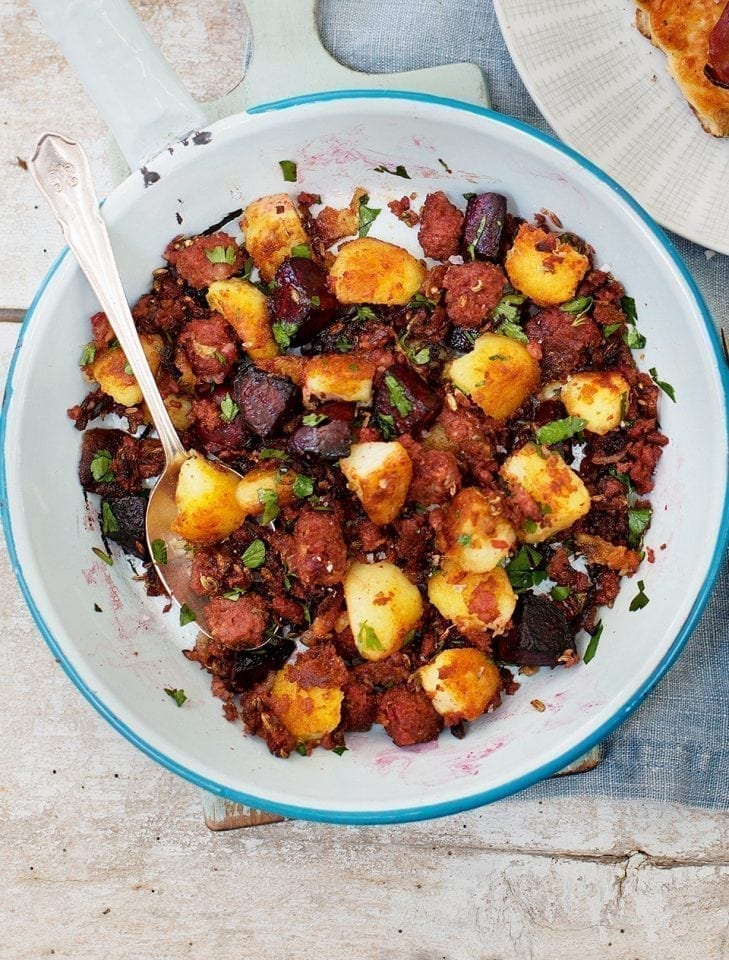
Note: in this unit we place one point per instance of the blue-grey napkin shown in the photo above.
(674, 747)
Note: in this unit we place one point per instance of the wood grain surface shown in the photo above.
(106, 855)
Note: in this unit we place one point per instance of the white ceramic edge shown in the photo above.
(712, 242)
(552, 763)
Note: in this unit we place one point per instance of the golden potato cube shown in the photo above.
(207, 508)
(547, 276)
(460, 683)
(309, 713)
(339, 377)
(379, 474)
(373, 271)
(498, 374)
(245, 308)
(559, 493)
(383, 606)
(111, 371)
(474, 602)
(272, 227)
(179, 406)
(600, 398)
(266, 478)
(479, 537)
(287, 365)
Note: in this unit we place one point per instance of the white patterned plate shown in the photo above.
(606, 91)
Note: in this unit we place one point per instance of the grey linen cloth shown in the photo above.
(674, 748)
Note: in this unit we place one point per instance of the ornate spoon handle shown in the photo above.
(61, 170)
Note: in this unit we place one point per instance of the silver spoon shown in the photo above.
(61, 170)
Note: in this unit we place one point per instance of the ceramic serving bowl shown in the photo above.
(118, 646)
(123, 657)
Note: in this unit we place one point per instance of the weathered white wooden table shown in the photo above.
(104, 854)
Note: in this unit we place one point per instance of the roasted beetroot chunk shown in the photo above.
(539, 637)
(484, 226)
(123, 521)
(402, 394)
(329, 440)
(302, 298)
(266, 401)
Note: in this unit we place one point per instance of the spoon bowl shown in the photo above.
(61, 171)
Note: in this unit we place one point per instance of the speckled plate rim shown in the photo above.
(426, 811)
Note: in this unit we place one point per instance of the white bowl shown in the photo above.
(123, 657)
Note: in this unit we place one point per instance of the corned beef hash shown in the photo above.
(445, 457)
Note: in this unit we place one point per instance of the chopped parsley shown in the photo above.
(367, 216)
(220, 357)
(464, 540)
(314, 419)
(109, 523)
(530, 526)
(229, 410)
(631, 337)
(444, 165)
(610, 329)
(468, 196)
(666, 387)
(558, 430)
(235, 594)
(525, 569)
(301, 250)
(88, 355)
(221, 254)
(628, 305)
(398, 398)
(577, 306)
(283, 331)
(638, 522)
(179, 696)
(271, 453)
(289, 170)
(640, 600)
(186, 615)
(128, 369)
(255, 555)
(385, 422)
(303, 486)
(247, 269)
(159, 551)
(269, 499)
(366, 313)
(420, 300)
(315, 301)
(506, 313)
(101, 467)
(479, 232)
(367, 639)
(97, 608)
(559, 593)
(594, 641)
(399, 171)
(105, 557)
(302, 750)
(421, 357)
(340, 750)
